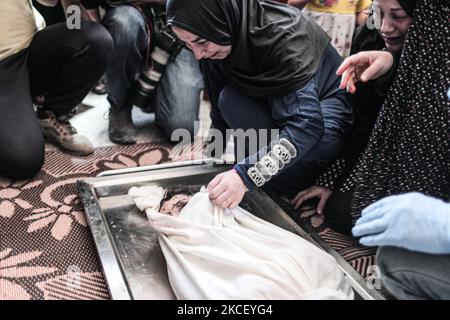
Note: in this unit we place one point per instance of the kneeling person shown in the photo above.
(267, 67)
(55, 63)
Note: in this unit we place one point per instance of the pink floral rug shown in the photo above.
(46, 249)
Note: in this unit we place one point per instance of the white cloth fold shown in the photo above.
(212, 253)
(147, 197)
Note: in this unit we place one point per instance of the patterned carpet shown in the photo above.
(46, 249)
(358, 256)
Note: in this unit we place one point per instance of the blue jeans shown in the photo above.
(177, 98)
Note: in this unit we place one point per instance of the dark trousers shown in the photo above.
(60, 64)
(414, 275)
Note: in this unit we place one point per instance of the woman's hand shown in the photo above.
(227, 189)
(364, 66)
(315, 191)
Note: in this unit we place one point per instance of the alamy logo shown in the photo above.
(374, 19)
(73, 21)
(247, 142)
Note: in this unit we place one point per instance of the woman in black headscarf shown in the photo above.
(266, 66)
(385, 32)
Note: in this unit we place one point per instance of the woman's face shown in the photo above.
(394, 22)
(174, 205)
(202, 48)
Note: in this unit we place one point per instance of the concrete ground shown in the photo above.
(91, 120)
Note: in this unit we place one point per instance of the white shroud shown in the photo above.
(214, 253)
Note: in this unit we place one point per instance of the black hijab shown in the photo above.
(409, 149)
(408, 6)
(275, 48)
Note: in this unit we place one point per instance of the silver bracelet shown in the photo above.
(265, 173)
(270, 164)
(278, 161)
(289, 146)
(256, 176)
(281, 153)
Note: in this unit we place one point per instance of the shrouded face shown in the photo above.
(394, 22)
(202, 48)
(174, 205)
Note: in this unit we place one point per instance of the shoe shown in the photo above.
(59, 131)
(121, 129)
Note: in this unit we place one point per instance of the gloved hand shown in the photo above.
(412, 221)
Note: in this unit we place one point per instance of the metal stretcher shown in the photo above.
(132, 261)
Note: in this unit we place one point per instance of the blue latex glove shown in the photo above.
(412, 221)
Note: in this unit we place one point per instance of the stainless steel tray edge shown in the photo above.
(105, 247)
(207, 161)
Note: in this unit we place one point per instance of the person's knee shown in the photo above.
(385, 259)
(228, 97)
(179, 126)
(182, 82)
(125, 24)
(398, 272)
(178, 105)
(99, 41)
(23, 164)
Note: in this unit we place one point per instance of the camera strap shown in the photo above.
(150, 32)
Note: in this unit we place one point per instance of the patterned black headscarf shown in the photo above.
(409, 149)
